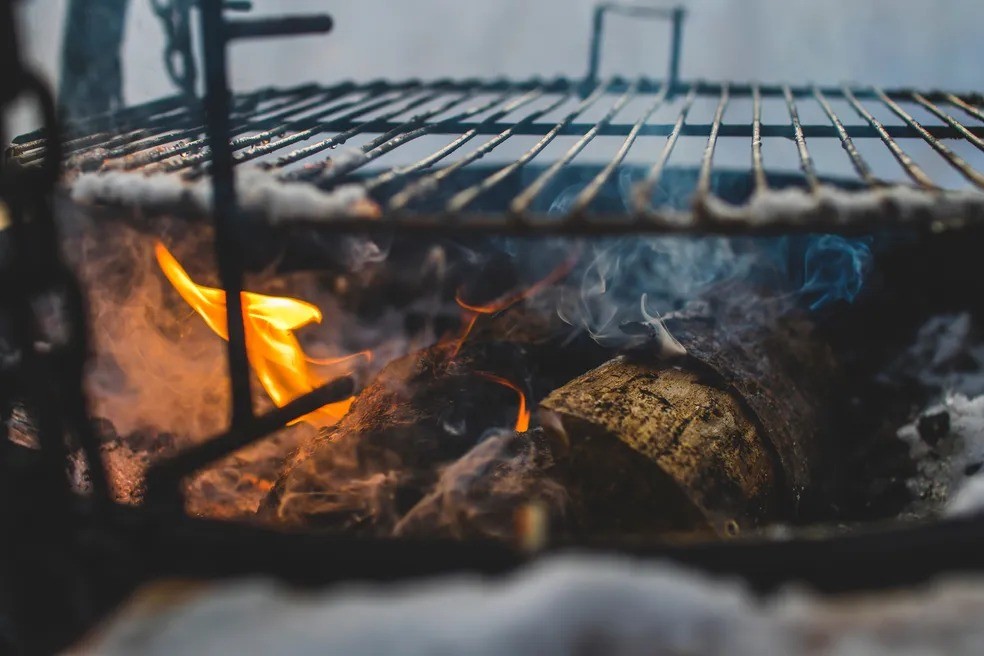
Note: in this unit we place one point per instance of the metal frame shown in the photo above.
(158, 539)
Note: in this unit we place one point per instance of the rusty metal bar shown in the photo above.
(587, 196)
(413, 129)
(973, 110)
(806, 160)
(427, 95)
(432, 182)
(951, 157)
(949, 120)
(463, 199)
(429, 161)
(847, 143)
(264, 142)
(707, 161)
(523, 201)
(910, 166)
(644, 191)
(758, 168)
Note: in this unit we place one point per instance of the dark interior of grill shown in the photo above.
(385, 330)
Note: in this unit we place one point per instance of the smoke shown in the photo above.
(618, 295)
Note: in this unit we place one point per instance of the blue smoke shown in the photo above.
(834, 269)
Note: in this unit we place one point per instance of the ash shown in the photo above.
(946, 440)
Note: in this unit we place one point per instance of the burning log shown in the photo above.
(731, 434)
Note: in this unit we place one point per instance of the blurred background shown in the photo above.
(889, 42)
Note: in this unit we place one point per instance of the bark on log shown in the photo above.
(737, 427)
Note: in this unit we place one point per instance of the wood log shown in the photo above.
(736, 427)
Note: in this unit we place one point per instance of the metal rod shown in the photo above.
(806, 160)
(225, 206)
(644, 191)
(342, 137)
(951, 157)
(908, 164)
(272, 27)
(265, 138)
(429, 161)
(431, 183)
(847, 143)
(964, 105)
(758, 169)
(707, 161)
(374, 151)
(523, 201)
(164, 478)
(462, 200)
(589, 193)
(949, 120)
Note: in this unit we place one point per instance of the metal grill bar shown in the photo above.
(758, 169)
(427, 162)
(806, 161)
(707, 161)
(425, 189)
(955, 160)
(432, 182)
(468, 196)
(411, 130)
(590, 192)
(911, 168)
(644, 193)
(522, 202)
(846, 142)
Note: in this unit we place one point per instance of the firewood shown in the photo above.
(736, 427)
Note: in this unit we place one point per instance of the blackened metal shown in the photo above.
(676, 15)
(277, 27)
(911, 168)
(964, 105)
(431, 183)
(429, 161)
(587, 196)
(225, 207)
(949, 120)
(462, 200)
(951, 157)
(163, 479)
(847, 143)
(412, 129)
(758, 169)
(806, 160)
(644, 192)
(707, 160)
(522, 202)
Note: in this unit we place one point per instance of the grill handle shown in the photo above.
(674, 14)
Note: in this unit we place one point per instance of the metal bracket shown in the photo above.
(674, 14)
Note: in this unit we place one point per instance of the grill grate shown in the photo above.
(293, 134)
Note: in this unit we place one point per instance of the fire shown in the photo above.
(507, 301)
(523, 416)
(274, 353)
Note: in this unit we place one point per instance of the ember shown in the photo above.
(274, 352)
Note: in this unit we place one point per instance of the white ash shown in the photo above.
(556, 607)
(794, 205)
(947, 440)
(260, 191)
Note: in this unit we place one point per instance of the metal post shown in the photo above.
(228, 250)
(597, 29)
(676, 45)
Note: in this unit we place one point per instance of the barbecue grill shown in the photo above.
(483, 177)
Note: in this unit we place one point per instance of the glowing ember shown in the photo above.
(274, 352)
(523, 416)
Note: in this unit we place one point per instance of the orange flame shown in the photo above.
(273, 350)
(509, 300)
(523, 416)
